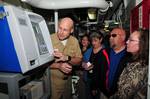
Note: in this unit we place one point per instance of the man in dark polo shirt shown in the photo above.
(118, 57)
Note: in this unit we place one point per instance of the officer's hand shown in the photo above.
(65, 67)
(59, 56)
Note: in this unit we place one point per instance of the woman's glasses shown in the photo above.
(132, 40)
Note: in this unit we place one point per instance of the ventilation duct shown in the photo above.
(67, 4)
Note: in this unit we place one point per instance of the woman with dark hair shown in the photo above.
(96, 64)
(133, 80)
(79, 71)
(85, 43)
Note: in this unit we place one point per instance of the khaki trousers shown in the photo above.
(60, 88)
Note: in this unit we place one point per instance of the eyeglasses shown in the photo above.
(131, 40)
(113, 35)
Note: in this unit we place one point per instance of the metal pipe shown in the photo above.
(56, 20)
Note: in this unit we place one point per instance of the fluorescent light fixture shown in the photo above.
(23, 0)
(92, 14)
(108, 23)
(116, 23)
(106, 30)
